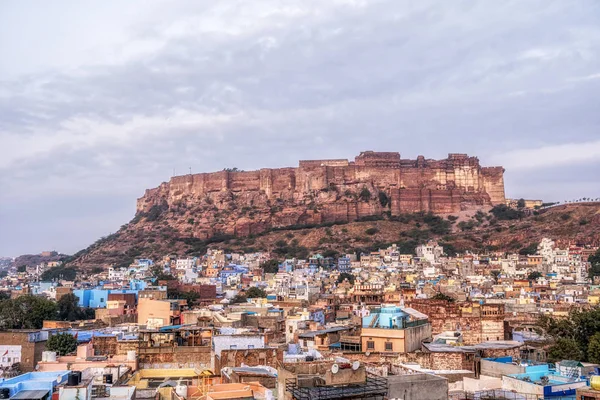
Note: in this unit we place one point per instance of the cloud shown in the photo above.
(551, 156)
(105, 105)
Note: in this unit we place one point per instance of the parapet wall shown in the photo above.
(320, 191)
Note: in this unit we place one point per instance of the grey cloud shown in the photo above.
(311, 79)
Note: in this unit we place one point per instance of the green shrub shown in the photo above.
(365, 194)
(371, 231)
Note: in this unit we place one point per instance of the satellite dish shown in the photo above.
(368, 353)
(355, 365)
(335, 368)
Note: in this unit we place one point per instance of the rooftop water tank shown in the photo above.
(49, 356)
(181, 390)
(595, 382)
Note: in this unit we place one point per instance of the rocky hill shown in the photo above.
(242, 203)
(32, 260)
(472, 230)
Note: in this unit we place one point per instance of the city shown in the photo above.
(299, 200)
(374, 325)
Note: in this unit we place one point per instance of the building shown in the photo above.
(235, 341)
(158, 313)
(329, 380)
(34, 385)
(429, 252)
(22, 346)
(393, 329)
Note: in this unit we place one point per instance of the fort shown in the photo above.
(319, 191)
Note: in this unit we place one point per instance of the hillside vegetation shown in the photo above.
(498, 229)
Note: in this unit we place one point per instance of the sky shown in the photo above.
(100, 100)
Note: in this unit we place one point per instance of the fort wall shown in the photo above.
(320, 191)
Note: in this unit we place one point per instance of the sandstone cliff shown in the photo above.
(243, 203)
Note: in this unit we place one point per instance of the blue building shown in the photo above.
(34, 385)
(344, 264)
(231, 270)
(97, 298)
(386, 317)
(286, 266)
(144, 262)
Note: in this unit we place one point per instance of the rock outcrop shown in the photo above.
(242, 203)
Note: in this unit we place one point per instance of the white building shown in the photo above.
(431, 251)
(185, 263)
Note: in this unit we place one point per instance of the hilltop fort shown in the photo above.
(321, 191)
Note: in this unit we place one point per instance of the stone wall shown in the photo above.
(477, 323)
(175, 357)
(250, 357)
(322, 191)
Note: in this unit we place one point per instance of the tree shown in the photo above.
(365, 194)
(371, 231)
(407, 246)
(521, 203)
(255, 292)
(593, 352)
(384, 199)
(26, 312)
(189, 296)
(346, 276)
(579, 327)
(495, 274)
(22, 268)
(60, 272)
(62, 343)
(239, 298)
(564, 349)
(68, 308)
(270, 267)
(159, 273)
(504, 212)
(594, 259)
(444, 297)
(529, 250)
(534, 275)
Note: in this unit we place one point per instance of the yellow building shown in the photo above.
(393, 329)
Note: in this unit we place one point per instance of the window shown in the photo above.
(389, 346)
(233, 346)
(370, 345)
(250, 346)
